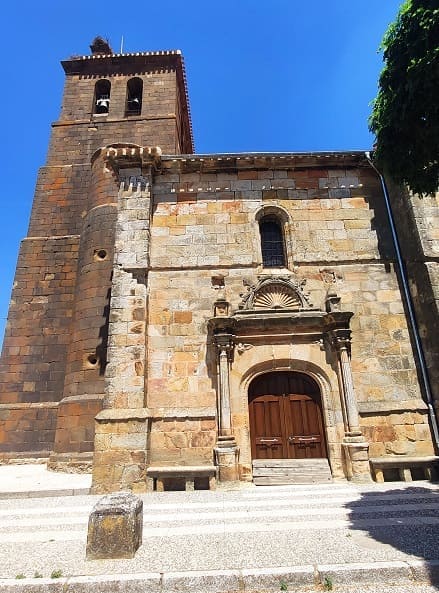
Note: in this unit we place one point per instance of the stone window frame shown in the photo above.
(282, 218)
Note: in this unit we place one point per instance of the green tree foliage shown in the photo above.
(405, 116)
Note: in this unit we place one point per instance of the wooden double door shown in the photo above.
(286, 417)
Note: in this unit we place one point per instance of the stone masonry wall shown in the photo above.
(37, 340)
(32, 366)
(417, 221)
(87, 352)
(205, 226)
(159, 95)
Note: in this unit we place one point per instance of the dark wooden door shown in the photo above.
(266, 427)
(285, 417)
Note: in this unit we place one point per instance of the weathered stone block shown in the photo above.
(115, 527)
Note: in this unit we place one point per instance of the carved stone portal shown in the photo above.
(267, 312)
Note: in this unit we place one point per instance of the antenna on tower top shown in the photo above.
(121, 45)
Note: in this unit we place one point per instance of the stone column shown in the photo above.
(224, 346)
(226, 449)
(341, 344)
(354, 443)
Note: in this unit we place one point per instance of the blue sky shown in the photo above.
(283, 75)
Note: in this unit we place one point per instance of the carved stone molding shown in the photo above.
(241, 347)
(276, 292)
(340, 339)
(120, 156)
(225, 344)
(331, 276)
(332, 301)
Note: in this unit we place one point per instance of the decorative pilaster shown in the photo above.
(354, 443)
(226, 449)
(224, 346)
(341, 341)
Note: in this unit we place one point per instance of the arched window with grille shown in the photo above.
(134, 96)
(101, 102)
(272, 242)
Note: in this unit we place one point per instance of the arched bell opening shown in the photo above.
(286, 420)
(134, 97)
(101, 102)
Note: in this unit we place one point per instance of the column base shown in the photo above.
(226, 458)
(356, 450)
(354, 436)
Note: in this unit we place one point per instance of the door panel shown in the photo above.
(285, 424)
(268, 437)
(305, 439)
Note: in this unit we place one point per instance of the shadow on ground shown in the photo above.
(402, 512)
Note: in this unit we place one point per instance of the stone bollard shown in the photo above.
(115, 527)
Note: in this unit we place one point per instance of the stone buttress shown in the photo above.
(121, 442)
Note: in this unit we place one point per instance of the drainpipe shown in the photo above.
(410, 308)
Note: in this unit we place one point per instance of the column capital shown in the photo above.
(224, 343)
(340, 339)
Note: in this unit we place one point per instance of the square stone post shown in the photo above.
(115, 527)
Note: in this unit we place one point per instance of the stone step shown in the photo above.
(276, 497)
(318, 462)
(264, 526)
(221, 516)
(250, 510)
(269, 472)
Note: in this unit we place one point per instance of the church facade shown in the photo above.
(179, 318)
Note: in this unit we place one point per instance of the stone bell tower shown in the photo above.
(55, 348)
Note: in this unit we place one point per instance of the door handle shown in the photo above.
(268, 440)
(293, 439)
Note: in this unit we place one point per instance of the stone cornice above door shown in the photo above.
(284, 325)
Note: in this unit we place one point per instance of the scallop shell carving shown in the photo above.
(276, 296)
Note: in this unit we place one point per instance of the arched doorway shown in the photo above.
(286, 417)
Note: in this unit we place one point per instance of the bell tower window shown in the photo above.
(102, 97)
(134, 96)
(272, 242)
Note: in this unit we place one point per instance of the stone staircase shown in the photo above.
(251, 539)
(272, 472)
